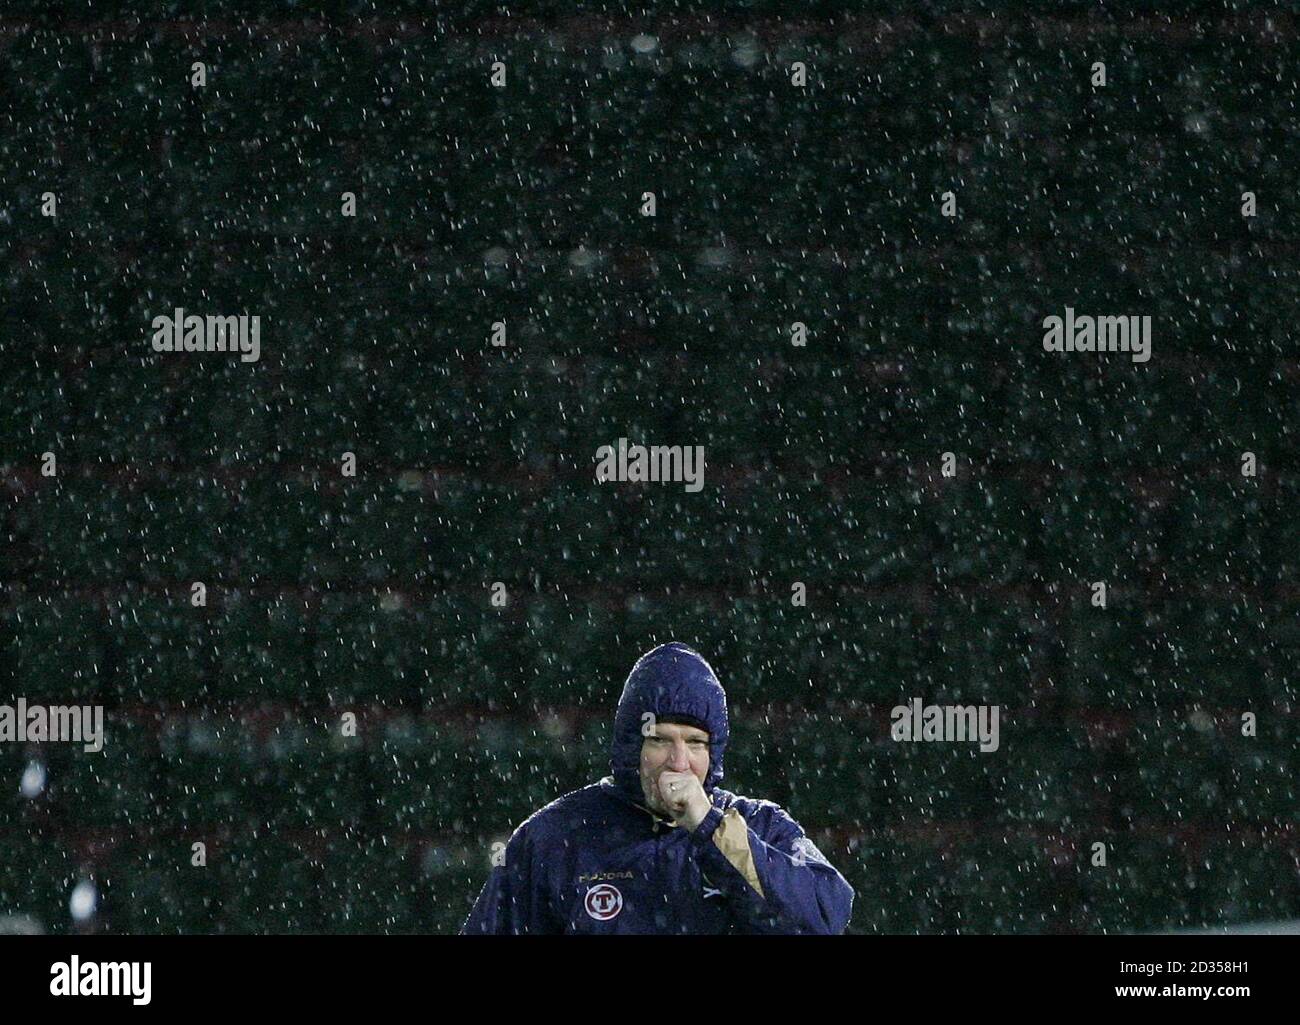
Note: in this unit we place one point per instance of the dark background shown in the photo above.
(775, 204)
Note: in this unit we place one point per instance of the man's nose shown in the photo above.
(680, 761)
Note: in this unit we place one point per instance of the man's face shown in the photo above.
(675, 748)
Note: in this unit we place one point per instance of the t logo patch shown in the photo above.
(603, 902)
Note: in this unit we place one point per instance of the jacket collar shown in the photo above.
(615, 790)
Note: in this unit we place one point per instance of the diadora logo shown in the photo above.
(603, 902)
(596, 877)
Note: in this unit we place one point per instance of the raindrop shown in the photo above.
(33, 781)
(84, 899)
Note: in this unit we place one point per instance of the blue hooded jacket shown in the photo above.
(598, 861)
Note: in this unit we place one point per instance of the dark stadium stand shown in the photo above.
(370, 594)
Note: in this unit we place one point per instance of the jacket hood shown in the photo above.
(670, 681)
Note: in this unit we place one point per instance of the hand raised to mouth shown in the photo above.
(684, 797)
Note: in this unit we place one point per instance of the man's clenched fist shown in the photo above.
(684, 798)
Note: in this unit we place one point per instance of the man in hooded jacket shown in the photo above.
(659, 847)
